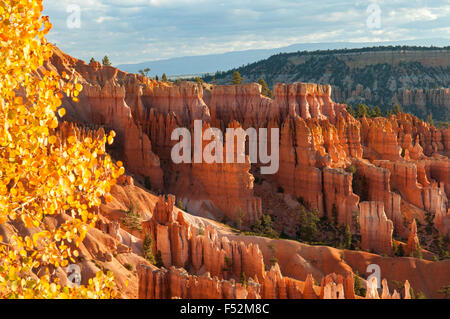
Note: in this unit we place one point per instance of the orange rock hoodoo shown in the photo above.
(318, 140)
(378, 172)
(215, 263)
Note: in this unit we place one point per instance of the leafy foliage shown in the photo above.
(263, 227)
(180, 204)
(265, 89)
(307, 227)
(380, 82)
(106, 61)
(147, 248)
(158, 259)
(445, 290)
(237, 79)
(132, 219)
(144, 72)
(358, 286)
(43, 174)
(243, 279)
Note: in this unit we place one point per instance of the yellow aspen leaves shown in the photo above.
(72, 139)
(52, 139)
(43, 172)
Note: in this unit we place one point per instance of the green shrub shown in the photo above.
(264, 227)
(158, 260)
(308, 224)
(128, 266)
(358, 286)
(228, 263)
(243, 279)
(351, 169)
(180, 205)
(147, 248)
(132, 219)
(147, 183)
(273, 260)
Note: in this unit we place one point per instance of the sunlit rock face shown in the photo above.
(375, 175)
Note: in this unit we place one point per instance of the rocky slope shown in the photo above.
(418, 79)
(384, 178)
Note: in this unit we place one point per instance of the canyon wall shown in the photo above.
(400, 158)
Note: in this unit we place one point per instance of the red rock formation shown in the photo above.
(404, 179)
(177, 283)
(103, 101)
(421, 98)
(307, 100)
(242, 103)
(376, 228)
(400, 158)
(374, 184)
(380, 139)
(339, 195)
(179, 245)
(413, 241)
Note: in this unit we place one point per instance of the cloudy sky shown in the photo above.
(132, 31)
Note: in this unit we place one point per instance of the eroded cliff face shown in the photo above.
(204, 265)
(318, 141)
(375, 175)
(214, 262)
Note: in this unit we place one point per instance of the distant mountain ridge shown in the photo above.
(197, 65)
(416, 78)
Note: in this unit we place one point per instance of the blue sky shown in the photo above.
(142, 30)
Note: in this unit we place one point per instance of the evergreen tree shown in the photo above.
(397, 109)
(106, 61)
(199, 80)
(376, 111)
(429, 119)
(243, 279)
(92, 60)
(350, 110)
(348, 237)
(144, 72)
(164, 77)
(389, 112)
(362, 110)
(264, 88)
(237, 79)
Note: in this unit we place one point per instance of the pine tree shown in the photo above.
(348, 237)
(144, 72)
(199, 80)
(429, 119)
(376, 112)
(237, 79)
(164, 77)
(106, 61)
(92, 60)
(397, 109)
(243, 279)
(264, 88)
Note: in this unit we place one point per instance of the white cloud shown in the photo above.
(139, 30)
